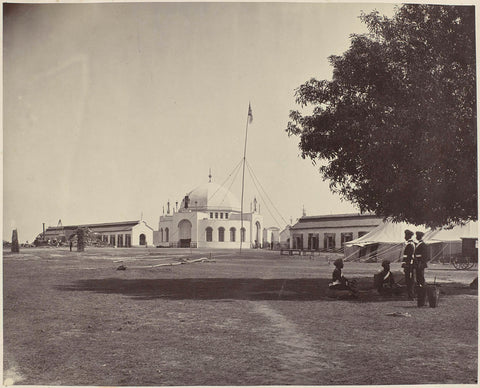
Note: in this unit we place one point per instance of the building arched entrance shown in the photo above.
(142, 239)
(185, 233)
(257, 234)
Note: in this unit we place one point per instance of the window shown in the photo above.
(166, 234)
(208, 234)
(345, 237)
(232, 234)
(216, 215)
(297, 241)
(329, 240)
(226, 216)
(221, 234)
(313, 241)
(211, 214)
(373, 251)
(161, 234)
(242, 234)
(120, 240)
(360, 234)
(368, 252)
(112, 239)
(221, 215)
(128, 240)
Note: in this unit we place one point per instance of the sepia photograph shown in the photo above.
(239, 194)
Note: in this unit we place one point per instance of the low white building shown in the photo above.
(331, 232)
(210, 216)
(285, 237)
(271, 237)
(117, 234)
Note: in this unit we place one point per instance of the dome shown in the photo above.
(211, 196)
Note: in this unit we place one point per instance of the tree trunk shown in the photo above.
(80, 240)
(15, 247)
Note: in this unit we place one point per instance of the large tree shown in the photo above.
(395, 128)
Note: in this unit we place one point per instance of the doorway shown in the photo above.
(185, 233)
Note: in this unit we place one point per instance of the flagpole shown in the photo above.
(249, 119)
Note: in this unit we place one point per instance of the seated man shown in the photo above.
(383, 281)
(340, 282)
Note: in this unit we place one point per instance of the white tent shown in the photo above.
(469, 230)
(387, 241)
(448, 241)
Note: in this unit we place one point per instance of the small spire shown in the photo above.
(209, 175)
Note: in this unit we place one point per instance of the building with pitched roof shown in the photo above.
(117, 234)
(330, 232)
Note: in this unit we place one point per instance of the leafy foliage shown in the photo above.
(395, 128)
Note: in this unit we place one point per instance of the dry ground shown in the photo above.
(252, 319)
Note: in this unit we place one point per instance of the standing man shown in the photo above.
(408, 262)
(420, 259)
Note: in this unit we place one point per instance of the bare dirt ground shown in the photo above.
(252, 319)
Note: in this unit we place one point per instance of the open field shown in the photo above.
(252, 319)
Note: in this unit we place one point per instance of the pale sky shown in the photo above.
(111, 110)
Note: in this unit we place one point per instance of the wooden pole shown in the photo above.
(249, 119)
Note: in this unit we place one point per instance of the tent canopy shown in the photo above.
(387, 241)
(387, 232)
(469, 230)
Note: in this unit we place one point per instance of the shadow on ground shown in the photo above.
(237, 289)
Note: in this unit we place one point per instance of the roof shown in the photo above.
(211, 196)
(331, 217)
(272, 228)
(105, 224)
(338, 221)
(97, 228)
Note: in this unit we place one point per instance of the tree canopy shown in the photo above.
(395, 128)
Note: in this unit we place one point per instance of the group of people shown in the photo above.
(414, 263)
(383, 281)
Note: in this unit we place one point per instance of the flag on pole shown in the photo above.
(250, 116)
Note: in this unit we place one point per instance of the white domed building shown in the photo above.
(210, 217)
